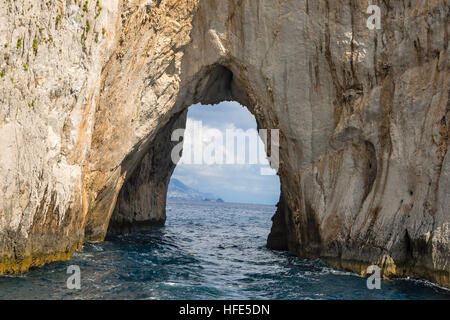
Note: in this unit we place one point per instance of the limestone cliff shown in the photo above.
(91, 90)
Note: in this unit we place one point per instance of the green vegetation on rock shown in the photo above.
(57, 20)
(85, 6)
(98, 9)
(35, 45)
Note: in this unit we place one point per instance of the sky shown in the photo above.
(241, 182)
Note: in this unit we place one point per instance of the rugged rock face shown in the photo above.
(90, 93)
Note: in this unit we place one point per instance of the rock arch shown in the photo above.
(141, 203)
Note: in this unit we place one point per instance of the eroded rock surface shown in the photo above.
(90, 92)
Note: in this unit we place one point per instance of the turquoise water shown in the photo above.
(205, 251)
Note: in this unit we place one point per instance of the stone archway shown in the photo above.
(337, 174)
(141, 203)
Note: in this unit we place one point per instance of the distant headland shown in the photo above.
(179, 191)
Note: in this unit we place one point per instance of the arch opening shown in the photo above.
(223, 158)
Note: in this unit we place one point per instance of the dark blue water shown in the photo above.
(206, 251)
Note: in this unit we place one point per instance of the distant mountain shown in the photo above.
(179, 191)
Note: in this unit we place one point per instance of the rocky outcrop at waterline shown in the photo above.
(91, 90)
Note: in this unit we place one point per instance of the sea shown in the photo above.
(205, 251)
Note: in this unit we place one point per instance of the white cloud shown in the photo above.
(232, 182)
